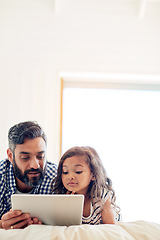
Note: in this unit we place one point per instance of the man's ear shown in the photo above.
(10, 155)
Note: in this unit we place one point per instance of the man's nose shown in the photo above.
(34, 163)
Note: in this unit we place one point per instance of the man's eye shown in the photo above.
(65, 173)
(78, 172)
(25, 158)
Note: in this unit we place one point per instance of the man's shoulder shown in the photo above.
(3, 162)
(50, 174)
(51, 169)
(6, 176)
(4, 165)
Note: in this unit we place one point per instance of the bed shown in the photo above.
(140, 230)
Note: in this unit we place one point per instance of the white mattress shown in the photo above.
(140, 230)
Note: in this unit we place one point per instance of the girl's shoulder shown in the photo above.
(105, 194)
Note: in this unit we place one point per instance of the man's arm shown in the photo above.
(0, 223)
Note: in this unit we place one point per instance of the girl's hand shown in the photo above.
(69, 192)
(35, 221)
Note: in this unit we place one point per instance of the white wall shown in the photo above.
(40, 38)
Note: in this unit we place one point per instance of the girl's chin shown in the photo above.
(72, 190)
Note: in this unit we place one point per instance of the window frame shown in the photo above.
(103, 80)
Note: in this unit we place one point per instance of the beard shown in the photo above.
(34, 181)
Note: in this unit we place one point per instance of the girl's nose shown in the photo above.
(71, 176)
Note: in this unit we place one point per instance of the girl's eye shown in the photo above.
(78, 172)
(65, 173)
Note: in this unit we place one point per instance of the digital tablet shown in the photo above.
(57, 209)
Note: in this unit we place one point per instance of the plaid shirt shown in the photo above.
(8, 184)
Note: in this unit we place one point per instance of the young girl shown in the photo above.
(80, 171)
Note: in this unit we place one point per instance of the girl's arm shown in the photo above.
(107, 213)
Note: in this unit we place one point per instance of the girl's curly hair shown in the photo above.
(101, 180)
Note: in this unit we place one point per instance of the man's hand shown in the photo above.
(15, 220)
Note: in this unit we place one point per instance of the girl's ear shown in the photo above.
(93, 178)
(10, 155)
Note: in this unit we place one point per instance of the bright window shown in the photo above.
(124, 127)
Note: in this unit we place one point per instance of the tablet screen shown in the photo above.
(57, 209)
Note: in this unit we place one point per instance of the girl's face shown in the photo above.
(76, 174)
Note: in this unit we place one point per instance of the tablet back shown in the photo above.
(57, 209)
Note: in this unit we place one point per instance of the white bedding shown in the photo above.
(140, 230)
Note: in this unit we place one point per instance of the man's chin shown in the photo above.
(34, 181)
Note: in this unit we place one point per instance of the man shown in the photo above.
(25, 171)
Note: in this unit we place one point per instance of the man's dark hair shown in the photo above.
(24, 130)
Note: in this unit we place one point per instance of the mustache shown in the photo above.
(38, 170)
